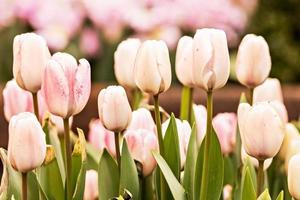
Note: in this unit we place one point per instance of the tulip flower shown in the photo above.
(262, 129)
(225, 126)
(66, 85)
(211, 59)
(31, 55)
(152, 70)
(292, 150)
(227, 192)
(253, 160)
(281, 110)
(100, 137)
(91, 185)
(59, 123)
(141, 119)
(184, 133)
(124, 62)
(114, 109)
(294, 177)
(201, 120)
(184, 61)
(141, 143)
(253, 62)
(291, 134)
(27, 143)
(270, 90)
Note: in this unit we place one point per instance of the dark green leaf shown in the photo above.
(229, 171)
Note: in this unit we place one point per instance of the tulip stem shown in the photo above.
(260, 177)
(68, 163)
(136, 100)
(24, 186)
(251, 96)
(118, 154)
(190, 106)
(35, 104)
(205, 174)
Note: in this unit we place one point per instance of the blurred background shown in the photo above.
(93, 28)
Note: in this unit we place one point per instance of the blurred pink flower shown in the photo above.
(6, 13)
(89, 42)
(100, 137)
(91, 185)
(141, 119)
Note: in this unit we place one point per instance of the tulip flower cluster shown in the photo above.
(136, 150)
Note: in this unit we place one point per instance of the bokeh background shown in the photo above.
(93, 28)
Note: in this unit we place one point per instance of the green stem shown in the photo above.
(35, 105)
(117, 146)
(160, 143)
(68, 163)
(260, 177)
(190, 106)
(146, 187)
(205, 174)
(24, 186)
(136, 100)
(250, 100)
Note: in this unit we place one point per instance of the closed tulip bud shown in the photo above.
(281, 110)
(225, 125)
(91, 185)
(27, 143)
(66, 85)
(114, 109)
(31, 55)
(101, 138)
(211, 59)
(253, 62)
(141, 143)
(141, 119)
(16, 100)
(262, 129)
(270, 90)
(253, 160)
(184, 61)
(292, 150)
(124, 62)
(294, 177)
(291, 134)
(152, 70)
(59, 123)
(201, 119)
(184, 133)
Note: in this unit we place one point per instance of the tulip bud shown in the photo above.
(184, 133)
(16, 100)
(184, 61)
(291, 134)
(114, 109)
(262, 129)
(27, 143)
(270, 90)
(152, 70)
(294, 177)
(141, 143)
(280, 109)
(225, 126)
(59, 123)
(101, 138)
(31, 55)
(66, 85)
(227, 192)
(124, 62)
(142, 119)
(91, 185)
(253, 62)
(201, 119)
(211, 59)
(253, 160)
(292, 150)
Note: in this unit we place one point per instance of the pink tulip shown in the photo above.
(201, 119)
(59, 123)
(142, 119)
(281, 110)
(225, 126)
(66, 85)
(270, 90)
(89, 42)
(184, 133)
(91, 185)
(141, 143)
(27, 143)
(100, 137)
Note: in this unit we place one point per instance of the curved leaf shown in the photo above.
(280, 196)
(248, 190)
(265, 195)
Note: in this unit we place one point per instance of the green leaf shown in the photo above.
(229, 171)
(280, 196)
(185, 101)
(93, 156)
(190, 164)
(129, 179)
(265, 195)
(42, 193)
(215, 169)
(177, 190)
(79, 166)
(248, 190)
(108, 177)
